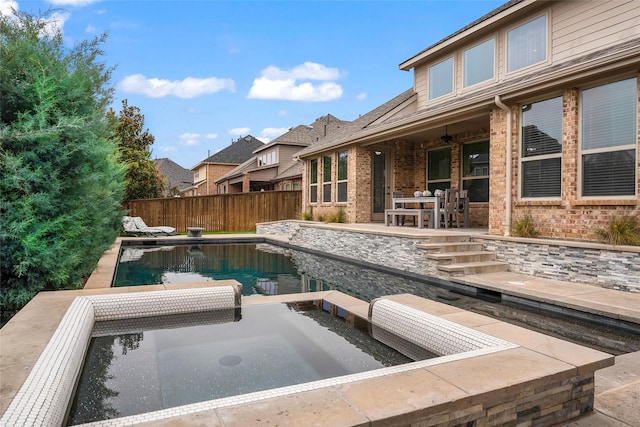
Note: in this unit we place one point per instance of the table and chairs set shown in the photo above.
(442, 209)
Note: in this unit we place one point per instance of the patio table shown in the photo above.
(422, 200)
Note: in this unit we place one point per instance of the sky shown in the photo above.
(206, 72)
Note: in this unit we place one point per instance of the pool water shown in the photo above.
(218, 354)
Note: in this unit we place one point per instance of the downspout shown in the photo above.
(507, 200)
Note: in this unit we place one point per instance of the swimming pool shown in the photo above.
(158, 363)
(269, 269)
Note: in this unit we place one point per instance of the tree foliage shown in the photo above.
(61, 181)
(142, 178)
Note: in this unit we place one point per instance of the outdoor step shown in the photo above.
(450, 246)
(448, 238)
(475, 267)
(462, 257)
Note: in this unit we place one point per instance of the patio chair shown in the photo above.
(397, 195)
(136, 226)
(449, 208)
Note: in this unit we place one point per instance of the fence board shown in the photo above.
(222, 212)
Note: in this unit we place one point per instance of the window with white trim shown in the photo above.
(479, 63)
(342, 177)
(269, 158)
(441, 78)
(313, 181)
(609, 138)
(326, 179)
(439, 169)
(527, 44)
(475, 170)
(541, 149)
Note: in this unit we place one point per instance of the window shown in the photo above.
(313, 181)
(441, 78)
(475, 171)
(287, 187)
(527, 44)
(439, 169)
(342, 177)
(479, 63)
(269, 158)
(609, 135)
(326, 179)
(541, 153)
(296, 186)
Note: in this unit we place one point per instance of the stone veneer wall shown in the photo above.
(578, 262)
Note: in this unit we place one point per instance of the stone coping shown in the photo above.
(534, 359)
(560, 243)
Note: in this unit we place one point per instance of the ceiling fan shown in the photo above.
(446, 138)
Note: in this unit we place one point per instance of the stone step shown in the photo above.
(448, 238)
(445, 247)
(462, 257)
(474, 267)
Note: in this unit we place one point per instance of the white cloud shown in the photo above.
(189, 87)
(263, 139)
(272, 132)
(91, 29)
(190, 139)
(56, 21)
(275, 83)
(71, 2)
(239, 131)
(7, 5)
(211, 136)
(361, 96)
(167, 148)
(283, 113)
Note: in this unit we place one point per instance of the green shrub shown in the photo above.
(320, 218)
(337, 217)
(624, 230)
(62, 183)
(524, 227)
(307, 216)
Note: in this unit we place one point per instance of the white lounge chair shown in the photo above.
(137, 227)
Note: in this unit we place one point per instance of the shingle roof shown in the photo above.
(239, 151)
(342, 134)
(176, 175)
(305, 135)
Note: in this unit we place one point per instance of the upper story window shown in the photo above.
(439, 169)
(269, 158)
(326, 179)
(342, 177)
(609, 138)
(527, 44)
(441, 78)
(541, 152)
(479, 63)
(313, 181)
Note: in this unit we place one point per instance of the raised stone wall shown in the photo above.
(580, 263)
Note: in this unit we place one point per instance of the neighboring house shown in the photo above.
(533, 109)
(176, 177)
(274, 165)
(213, 167)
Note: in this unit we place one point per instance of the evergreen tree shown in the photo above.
(61, 182)
(142, 178)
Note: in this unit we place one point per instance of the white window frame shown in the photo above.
(465, 63)
(342, 181)
(524, 159)
(446, 183)
(546, 44)
(453, 78)
(327, 181)
(312, 184)
(583, 152)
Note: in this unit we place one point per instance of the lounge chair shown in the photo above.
(136, 226)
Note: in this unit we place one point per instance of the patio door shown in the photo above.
(381, 185)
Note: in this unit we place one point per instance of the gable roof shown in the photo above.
(239, 151)
(176, 175)
(344, 133)
(305, 135)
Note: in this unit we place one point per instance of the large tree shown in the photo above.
(61, 183)
(142, 178)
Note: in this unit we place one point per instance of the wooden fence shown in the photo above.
(223, 212)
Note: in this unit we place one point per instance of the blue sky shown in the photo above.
(208, 71)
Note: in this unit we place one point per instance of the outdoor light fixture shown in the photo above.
(446, 138)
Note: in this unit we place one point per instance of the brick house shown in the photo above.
(532, 108)
(274, 166)
(213, 167)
